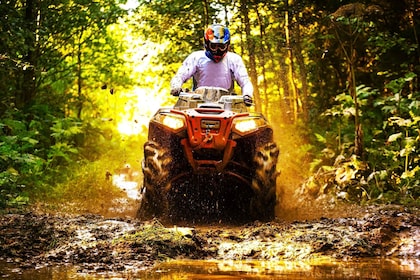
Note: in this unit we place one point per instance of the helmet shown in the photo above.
(216, 41)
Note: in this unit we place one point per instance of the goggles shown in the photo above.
(217, 46)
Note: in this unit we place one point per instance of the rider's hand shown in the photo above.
(175, 91)
(247, 100)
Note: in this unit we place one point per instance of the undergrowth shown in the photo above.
(44, 158)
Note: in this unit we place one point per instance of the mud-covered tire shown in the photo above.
(262, 206)
(156, 171)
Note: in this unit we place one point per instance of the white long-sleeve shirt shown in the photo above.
(208, 73)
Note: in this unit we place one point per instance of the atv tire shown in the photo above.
(262, 206)
(156, 170)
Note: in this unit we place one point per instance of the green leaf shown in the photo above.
(320, 138)
(410, 173)
(30, 140)
(400, 121)
(394, 137)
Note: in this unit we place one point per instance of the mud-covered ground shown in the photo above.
(94, 243)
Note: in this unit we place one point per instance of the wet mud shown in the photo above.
(94, 243)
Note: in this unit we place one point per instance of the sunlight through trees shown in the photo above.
(104, 68)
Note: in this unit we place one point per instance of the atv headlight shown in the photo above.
(246, 125)
(173, 122)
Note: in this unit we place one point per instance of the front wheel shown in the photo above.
(263, 203)
(156, 170)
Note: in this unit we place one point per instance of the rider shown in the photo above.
(215, 66)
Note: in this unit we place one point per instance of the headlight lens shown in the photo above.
(246, 125)
(174, 122)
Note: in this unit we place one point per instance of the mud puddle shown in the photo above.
(376, 242)
(320, 268)
(94, 245)
(198, 269)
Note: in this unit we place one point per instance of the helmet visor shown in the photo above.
(217, 46)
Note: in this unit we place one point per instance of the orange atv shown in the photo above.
(209, 159)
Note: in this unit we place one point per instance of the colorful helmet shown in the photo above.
(216, 41)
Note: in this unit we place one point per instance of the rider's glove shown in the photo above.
(247, 100)
(175, 91)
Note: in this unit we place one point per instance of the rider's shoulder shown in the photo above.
(195, 55)
(198, 53)
(233, 56)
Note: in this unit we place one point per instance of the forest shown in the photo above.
(338, 80)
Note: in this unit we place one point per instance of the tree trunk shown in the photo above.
(251, 52)
(206, 13)
(26, 88)
(350, 57)
(358, 132)
(295, 101)
(79, 103)
(262, 64)
(303, 98)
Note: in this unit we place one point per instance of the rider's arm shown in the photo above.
(184, 72)
(241, 74)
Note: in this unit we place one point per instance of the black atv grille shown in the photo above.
(208, 154)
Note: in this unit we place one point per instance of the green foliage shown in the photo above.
(86, 189)
(63, 150)
(18, 164)
(74, 158)
(392, 145)
(45, 55)
(43, 43)
(400, 155)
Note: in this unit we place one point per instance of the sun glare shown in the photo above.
(130, 5)
(127, 127)
(135, 116)
(138, 104)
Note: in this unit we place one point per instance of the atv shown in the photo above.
(209, 159)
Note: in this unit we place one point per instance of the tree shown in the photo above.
(250, 43)
(347, 21)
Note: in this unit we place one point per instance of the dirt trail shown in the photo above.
(94, 243)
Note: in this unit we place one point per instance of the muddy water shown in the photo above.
(44, 246)
(315, 269)
(187, 269)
